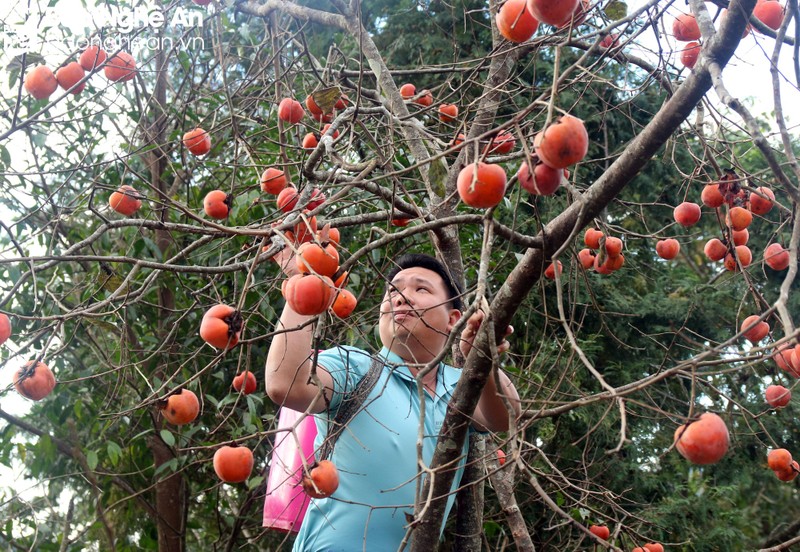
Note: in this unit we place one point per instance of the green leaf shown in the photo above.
(168, 437)
(114, 452)
(91, 459)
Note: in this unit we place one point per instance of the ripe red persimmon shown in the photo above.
(703, 441)
(544, 180)
(776, 257)
(125, 200)
(753, 330)
(246, 380)
(515, 22)
(40, 82)
(481, 185)
(592, 238)
(273, 180)
(715, 250)
(221, 326)
(233, 464)
(217, 204)
(601, 531)
(711, 196)
(550, 271)
(668, 248)
(687, 214)
(5, 328)
(760, 205)
(552, 12)
(92, 57)
(290, 111)
(181, 408)
(322, 480)
(685, 28)
(120, 68)
(448, 113)
(770, 13)
(197, 141)
(408, 91)
(777, 396)
(344, 304)
(34, 380)
(70, 75)
(690, 54)
(310, 294)
(563, 143)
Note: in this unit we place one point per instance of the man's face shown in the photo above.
(416, 316)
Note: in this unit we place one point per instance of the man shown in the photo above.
(377, 453)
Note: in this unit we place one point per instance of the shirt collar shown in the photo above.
(446, 376)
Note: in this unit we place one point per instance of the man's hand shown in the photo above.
(285, 260)
(471, 330)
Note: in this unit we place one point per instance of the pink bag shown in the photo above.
(285, 504)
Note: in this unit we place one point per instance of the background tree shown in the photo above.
(608, 365)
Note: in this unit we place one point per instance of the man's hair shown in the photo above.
(421, 260)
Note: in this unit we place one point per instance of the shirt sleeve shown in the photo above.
(347, 366)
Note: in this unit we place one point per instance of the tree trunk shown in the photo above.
(469, 501)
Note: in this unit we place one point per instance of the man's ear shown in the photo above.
(455, 316)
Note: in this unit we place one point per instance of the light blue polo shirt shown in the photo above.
(376, 455)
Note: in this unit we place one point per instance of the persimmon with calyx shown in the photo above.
(744, 256)
(586, 258)
(668, 248)
(552, 12)
(739, 218)
(544, 180)
(218, 204)
(754, 330)
(344, 304)
(309, 294)
(290, 111)
(609, 265)
(322, 480)
(5, 328)
(687, 214)
(181, 408)
(685, 28)
(120, 68)
(448, 113)
(233, 464)
(34, 380)
(273, 180)
(715, 250)
(197, 141)
(70, 75)
(703, 441)
(777, 396)
(312, 257)
(760, 205)
(40, 82)
(770, 13)
(125, 201)
(563, 143)
(711, 196)
(515, 22)
(776, 257)
(221, 326)
(600, 530)
(245, 382)
(92, 57)
(481, 185)
(690, 54)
